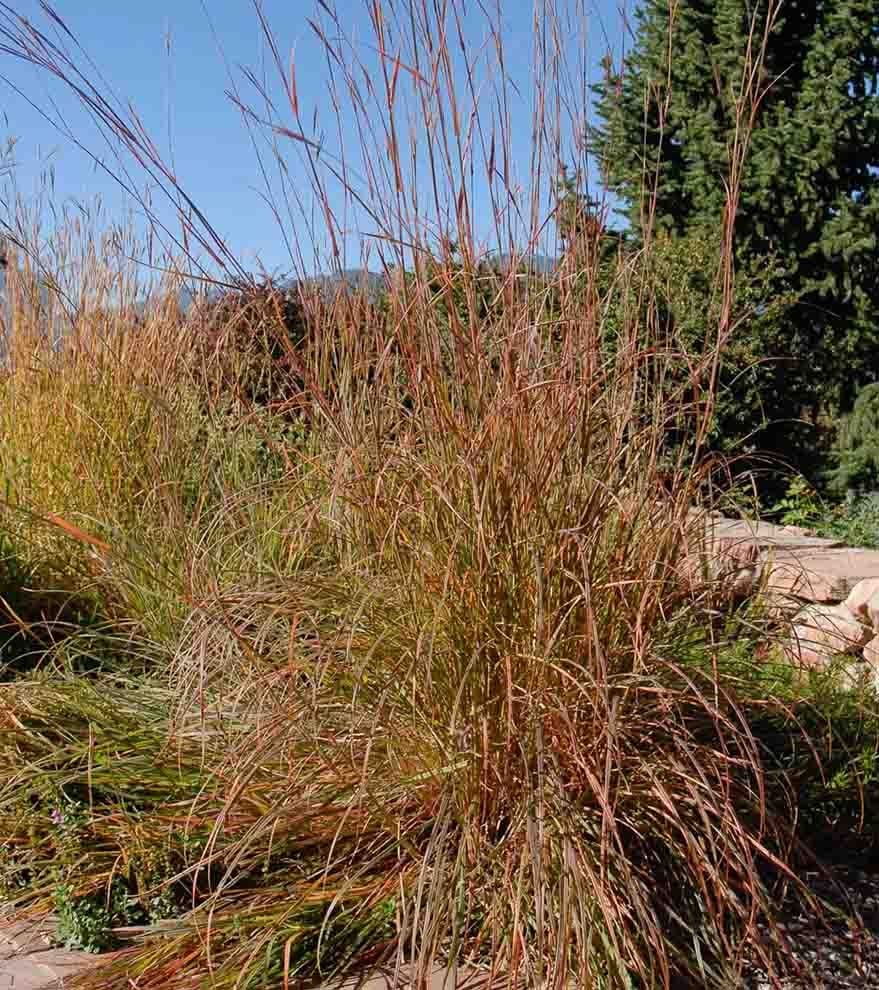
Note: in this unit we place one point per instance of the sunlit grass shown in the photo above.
(404, 661)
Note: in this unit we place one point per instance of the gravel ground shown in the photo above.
(842, 952)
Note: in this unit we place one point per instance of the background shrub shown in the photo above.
(857, 449)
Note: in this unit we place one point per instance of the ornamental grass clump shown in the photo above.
(119, 462)
(459, 707)
(469, 734)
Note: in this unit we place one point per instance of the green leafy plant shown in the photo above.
(86, 921)
(800, 505)
(854, 522)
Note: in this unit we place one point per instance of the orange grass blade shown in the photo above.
(76, 533)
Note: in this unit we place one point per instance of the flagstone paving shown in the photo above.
(29, 962)
(793, 562)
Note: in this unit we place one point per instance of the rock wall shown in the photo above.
(828, 593)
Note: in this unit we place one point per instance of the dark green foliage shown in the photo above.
(810, 192)
(858, 444)
(819, 742)
(826, 748)
(671, 293)
(679, 277)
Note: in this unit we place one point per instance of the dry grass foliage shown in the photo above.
(420, 656)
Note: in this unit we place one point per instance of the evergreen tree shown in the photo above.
(857, 452)
(810, 192)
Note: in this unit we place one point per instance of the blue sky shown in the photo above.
(175, 60)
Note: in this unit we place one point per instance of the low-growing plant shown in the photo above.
(800, 505)
(854, 521)
(87, 921)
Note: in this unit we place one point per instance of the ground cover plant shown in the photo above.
(394, 651)
(854, 520)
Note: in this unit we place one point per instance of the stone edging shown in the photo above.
(828, 592)
(29, 962)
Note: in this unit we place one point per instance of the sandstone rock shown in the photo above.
(780, 608)
(871, 652)
(744, 581)
(27, 962)
(767, 535)
(792, 560)
(820, 632)
(731, 561)
(819, 575)
(859, 675)
(851, 676)
(863, 601)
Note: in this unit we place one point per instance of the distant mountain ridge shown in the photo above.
(376, 282)
(352, 278)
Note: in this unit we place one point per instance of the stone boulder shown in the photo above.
(821, 632)
(731, 563)
(824, 595)
(863, 602)
(866, 674)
